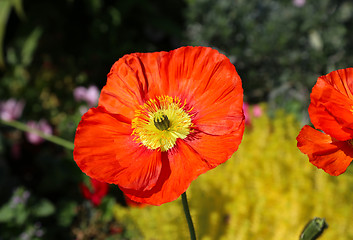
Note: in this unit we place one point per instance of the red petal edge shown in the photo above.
(324, 151)
(331, 104)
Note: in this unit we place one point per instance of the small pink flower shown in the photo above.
(42, 126)
(11, 109)
(90, 95)
(299, 3)
(257, 111)
(79, 93)
(246, 113)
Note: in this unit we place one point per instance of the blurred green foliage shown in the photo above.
(47, 49)
(267, 190)
(55, 46)
(6, 7)
(279, 49)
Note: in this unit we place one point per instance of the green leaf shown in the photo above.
(17, 4)
(43, 209)
(30, 46)
(5, 9)
(107, 206)
(6, 213)
(21, 214)
(67, 213)
(11, 57)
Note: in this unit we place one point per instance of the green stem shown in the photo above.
(188, 216)
(23, 127)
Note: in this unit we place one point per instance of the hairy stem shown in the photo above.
(54, 139)
(188, 216)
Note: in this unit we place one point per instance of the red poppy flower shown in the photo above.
(163, 119)
(98, 192)
(330, 110)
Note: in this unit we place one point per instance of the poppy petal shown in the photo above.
(201, 76)
(324, 151)
(181, 166)
(105, 150)
(342, 80)
(216, 149)
(209, 83)
(331, 107)
(128, 82)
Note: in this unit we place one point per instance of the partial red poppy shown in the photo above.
(163, 119)
(97, 191)
(330, 110)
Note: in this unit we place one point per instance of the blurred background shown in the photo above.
(54, 58)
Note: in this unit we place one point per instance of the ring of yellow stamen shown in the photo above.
(160, 122)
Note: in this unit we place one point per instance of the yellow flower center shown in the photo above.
(160, 122)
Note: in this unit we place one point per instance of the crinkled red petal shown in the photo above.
(129, 82)
(331, 107)
(324, 151)
(181, 166)
(216, 149)
(105, 150)
(341, 80)
(209, 83)
(201, 76)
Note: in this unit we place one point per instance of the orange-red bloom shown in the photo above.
(163, 119)
(330, 110)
